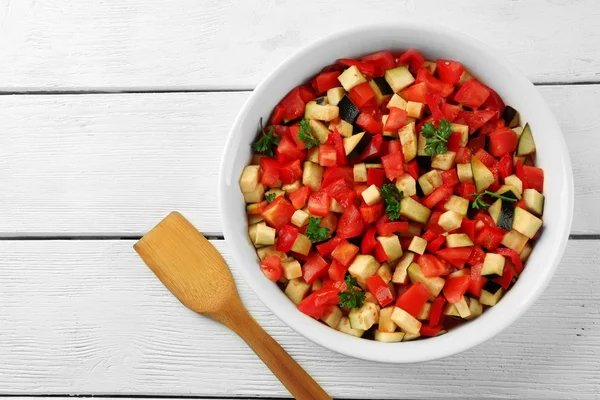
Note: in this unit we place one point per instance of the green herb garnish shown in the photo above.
(479, 203)
(353, 297)
(436, 137)
(270, 196)
(267, 141)
(315, 232)
(391, 196)
(306, 135)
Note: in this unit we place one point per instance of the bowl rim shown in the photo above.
(430, 348)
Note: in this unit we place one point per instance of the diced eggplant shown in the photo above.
(507, 212)
(424, 161)
(526, 223)
(481, 174)
(491, 293)
(493, 264)
(511, 117)
(355, 144)
(348, 111)
(322, 101)
(383, 86)
(526, 142)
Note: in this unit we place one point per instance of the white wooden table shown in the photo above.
(115, 112)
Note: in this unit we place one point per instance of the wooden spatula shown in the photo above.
(194, 271)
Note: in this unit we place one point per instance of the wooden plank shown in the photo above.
(115, 164)
(146, 44)
(88, 317)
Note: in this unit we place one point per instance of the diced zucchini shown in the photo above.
(425, 312)
(352, 142)
(418, 245)
(276, 192)
(514, 240)
(491, 294)
(270, 251)
(465, 173)
(508, 188)
(256, 195)
(332, 317)
(344, 326)
(407, 185)
(345, 129)
(464, 133)
(451, 310)
(494, 210)
(300, 218)
(475, 308)
(351, 77)
(398, 78)
(400, 272)
(321, 112)
(421, 144)
(252, 234)
(411, 336)
(526, 252)
(363, 267)
(413, 210)
(265, 235)
(312, 175)
(335, 206)
(365, 317)
(360, 172)
(518, 130)
(482, 176)
(457, 204)
(385, 320)
(302, 245)
(526, 142)
(313, 155)
(371, 195)
(249, 179)
(534, 201)
(514, 181)
(430, 65)
(464, 77)
(297, 290)
(334, 95)
(292, 187)
(398, 102)
(511, 117)
(393, 134)
(463, 308)
(458, 240)
(385, 272)
(316, 285)
(292, 269)
(450, 220)
(254, 219)
(430, 181)
(391, 246)
(388, 337)
(379, 96)
(493, 264)
(369, 298)
(526, 223)
(405, 321)
(414, 229)
(460, 272)
(374, 165)
(434, 284)
(408, 138)
(253, 208)
(415, 109)
(443, 161)
(319, 130)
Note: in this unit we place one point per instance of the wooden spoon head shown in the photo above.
(187, 264)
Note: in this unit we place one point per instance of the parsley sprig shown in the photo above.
(270, 196)
(436, 137)
(353, 297)
(266, 142)
(391, 196)
(479, 203)
(306, 135)
(315, 232)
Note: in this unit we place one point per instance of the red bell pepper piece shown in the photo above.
(507, 276)
(370, 70)
(439, 194)
(477, 256)
(345, 252)
(520, 172)
(534, 177)
(472, 94)
(396, 119)
(449, 71)
(503, 141)
(342, 191)
(457, 256)
(278, 114)
(368, 241)
(286, 236)
(287, 151)
(455, 288)
(319, 301)
(505, 166)
(436, 244)
(271, 267)
(279, 212)
(290, 172)
(300, 196)
(337, 271)
(494, 103)
(431, 266)
(393, 165)
(332, 174)
(486, 158)
(450, 177)
(375, 176)
(434, 86)
(468, 227)
(380, 290)
(413, 169)
(369, 124)
(412, 58)
(362, 95)
(450, 111)
(351, 223)
(489, 238)
(372, 149)
(327, 155)
(314, 268)
(454, 141)
(379, 253)
(513, 256)
(270, 171)
(429, 235)
(416, 92)
(326, 80)
(372, 213)
(383, 59)
(413, 299)
(463, 155)
(432, 223)
(437, 308)
(319, 203)
(474, 119)
(326, 248)
(389, 228)
(430, 330)
(336, 140)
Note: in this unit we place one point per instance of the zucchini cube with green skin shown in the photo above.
(465, 173)
(398, 102)
(256, 195)
(365, 317)
(493, 264)
(344, 128)
(385, 320)
(457, 204)
(296, 290)
(400, 275)
(319, 130)
(463, 308)
(407, 185)
(405, 321)
(415, 109)
(312, 175)
(302, 245)
(320, 112)
(332, 317)
(398, 78)
(458, 240)
(526, 223)
(450, 220)
(371, 195)
(363, 267)
(265, 235)
(391, 246)
(360, 172)
(425, 312)
(292, 269)
(434, 284)
(250, 178)
(491, 294)
(388, 337)
(417, 245)
(482, 176)
(413, 210)
(269, 251)
(534, 201)
(300, 218)
(334, 95)
(408, 139)
(464, 133)
(526, 144)
(430, 181)
(344, 326)
(444, 161)
(351, 77)
(514, 181)
(514, 240)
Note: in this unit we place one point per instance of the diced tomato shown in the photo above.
(431, 330)
(436, 244)
(319, 204)
(413, 59)
(336, 140)
(319, 301)
(306, 93)
(279, 212)
(359, 188)
(520, 172)
(389, 228)
(450, 111)
(368, 69)
(450, 177)
(380, 290)
(474, 119)
(271, 267)
(507, 276)
(431, 266)
(457, 256)
(293, 104)
(434, 85)
(300, 197)
(338, 284)
(463, 155)
(494, 103)
(368, 241)
(449, 71)
(465, 190)
(476, 143)
(372, 149)
(362, 95)
(472, 94)
(314, 268)
(379, 253)
(369, 124)
(393, 165)
(270, 171)
(489, 238)
(454, 142)
(503, 141)
(405, 242)
(439, 194)
(413, 169)
(505, 166)
(416, 93)
(351, 223)
(326, 80)
(345, 252)
(413, 299)
(286, 236)
(468, 227)
(432, 223)
(396, 119)
(337, 271)
(534, 177)
(482, 220)
(293, 133)
(372, 213)
(342, 191)
(455, 288)
(514, 258)
(437, 307)
(332, 174)
(287, 151)
(290, 172)
(477, 282)
(383, 59)
(326, 248)
(430, 235)
(394, 146)
(486, 158)
(278, 114)
(327, 155)
(375, 176)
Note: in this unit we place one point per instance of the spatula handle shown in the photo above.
(283, 366)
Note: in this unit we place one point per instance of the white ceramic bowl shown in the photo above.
(485, 63)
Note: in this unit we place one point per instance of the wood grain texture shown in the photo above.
(192, 44)
(89, 317)
(114, 164)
